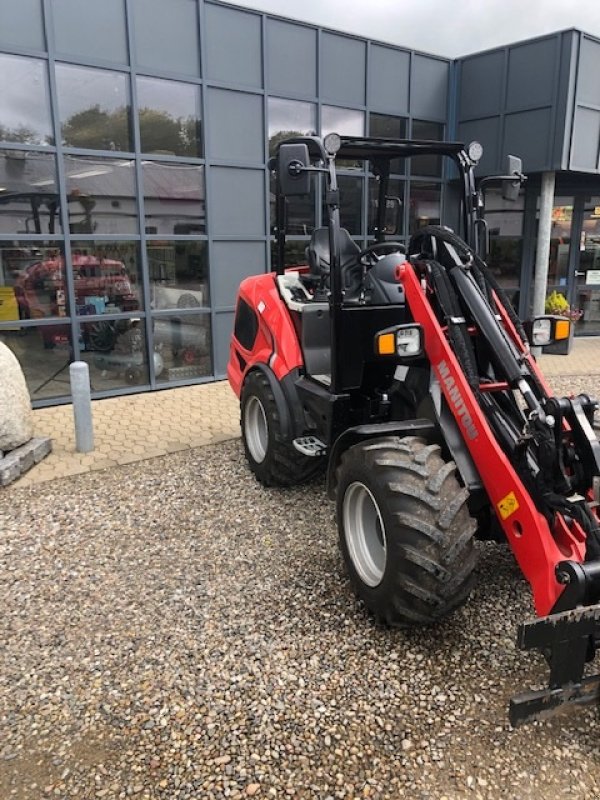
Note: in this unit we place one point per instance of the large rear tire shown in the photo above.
(406, 534)
(272, 457)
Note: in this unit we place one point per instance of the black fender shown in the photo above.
(287, 401)
(351, 436)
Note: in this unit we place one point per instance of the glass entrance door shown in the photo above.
(586, 294)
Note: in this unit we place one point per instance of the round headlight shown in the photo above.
(332, 143)
(475, 152)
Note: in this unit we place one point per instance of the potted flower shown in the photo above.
(557, 304)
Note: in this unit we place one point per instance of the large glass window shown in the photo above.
(292, 118)
(351, 193)
(24, 108)
(430, 166)
(106, 277)
(116, 353)
(289, 118)
(101, 195)
(560, 242)
(424, 205)
(386, 126)
(29, 201)
(178, 274)
(183, 344)
(94, 108)
(32, 281)
(393, 220)
(587, 277)
(174, 198)
(170, 117)
(345, 121)
(505, 225)
(44, 353)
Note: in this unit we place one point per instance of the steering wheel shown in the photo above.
(371, 254)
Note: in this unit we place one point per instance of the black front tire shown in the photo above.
(271, 456)
(406, 534)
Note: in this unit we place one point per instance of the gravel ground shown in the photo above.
(172, 629)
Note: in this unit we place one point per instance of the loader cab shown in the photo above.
(343, 295)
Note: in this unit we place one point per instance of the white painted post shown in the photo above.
(542, 255)
(82, 406)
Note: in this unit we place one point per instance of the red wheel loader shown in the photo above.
(405, 374)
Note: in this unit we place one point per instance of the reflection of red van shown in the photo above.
(101, 285)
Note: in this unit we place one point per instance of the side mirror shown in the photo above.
(510, 188)
(293, 166)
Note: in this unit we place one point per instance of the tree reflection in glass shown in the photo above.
(170, 118)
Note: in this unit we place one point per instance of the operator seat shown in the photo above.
(319, 261)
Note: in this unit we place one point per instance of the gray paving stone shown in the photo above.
(21, 459)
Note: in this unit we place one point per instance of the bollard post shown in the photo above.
(82, 406)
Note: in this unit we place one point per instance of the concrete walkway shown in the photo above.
(136, 427)
(141, 426)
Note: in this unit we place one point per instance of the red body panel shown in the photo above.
(537, 549)
(276, 342)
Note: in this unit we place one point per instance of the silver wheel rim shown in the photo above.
(365, 533)
(257, 432)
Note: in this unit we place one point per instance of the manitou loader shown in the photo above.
(404, 373)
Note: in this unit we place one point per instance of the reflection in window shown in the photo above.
(170, 117)
(385, 126)
(116, 353)
(25, 108)
(345, 121)
(587, 277)
(44, 353)
(106, 277)
(560, 241)
(32, 281)
(424, 205)
(295, 253)
(101, 195)
(178, 274)
(29, 201)
(299, 210)
(505, 225)
(430, 166)
(184, 345)
(174, 198)
(394, 213)
(351, 192)
(94, 108)
(289, 118)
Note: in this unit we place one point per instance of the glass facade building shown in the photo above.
(134, 190)
(134, 185)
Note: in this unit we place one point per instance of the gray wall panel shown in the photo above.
(235, 126)
(527, 134)
(231, 262)
(481, 85)
(223, 326)
(586, 139)
(166, 35)
(291, 59)
(588, 81)
(21, 24)
(343, 70)
(429, 89)
(91, 30)
(237, 202)
(389, 74)
(486, 131)
(232, 43)
(531, 74)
